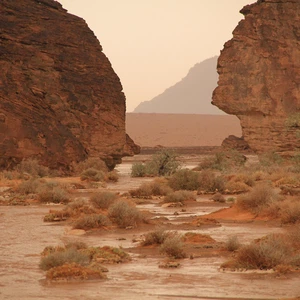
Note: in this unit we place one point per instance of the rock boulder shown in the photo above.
(60, 99)
(259, 75)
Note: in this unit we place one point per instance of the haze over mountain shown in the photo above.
(191, 95)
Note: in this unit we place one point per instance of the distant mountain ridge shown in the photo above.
(191, 95)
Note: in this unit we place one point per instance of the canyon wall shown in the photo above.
(60, 99)
(259, 75)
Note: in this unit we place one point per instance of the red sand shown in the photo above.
(180, 130)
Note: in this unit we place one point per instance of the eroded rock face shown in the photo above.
(259, 75)
(60, 100)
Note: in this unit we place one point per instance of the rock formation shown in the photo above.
(60, 100)
(191, 95)
(259, 75)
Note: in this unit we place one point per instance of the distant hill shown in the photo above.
(191, 95)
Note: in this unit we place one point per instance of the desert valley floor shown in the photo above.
(24, 234)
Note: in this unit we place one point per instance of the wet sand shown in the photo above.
(24, 235)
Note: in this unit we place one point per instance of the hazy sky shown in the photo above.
(152, 44)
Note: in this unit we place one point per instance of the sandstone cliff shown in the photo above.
(60, 100)
(191, 95)
(259, 75)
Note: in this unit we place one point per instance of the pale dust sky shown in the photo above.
(152, 44)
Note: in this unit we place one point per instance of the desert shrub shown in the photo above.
(29, 186)
(78, 207)
(138, 170)
(77, 245)
(236, 187)
(265, 254)
(158, 187)
(163, 163)
(232, 243)
(112, 176)
(32, 167)
(156, 237)
(210, 182)
(173, 246)
(103, 199)
(58, 258)
(179, 196)
(223, 160)
(71, 271)
(107, 254)
(270, 158)
(259, 175)
(218, 197)
(184, 179)
(245, 178)
(91, 221)
(92, 162)
(124, 214)
(259, 198)
(289, 211)
(294, 237)
(51, 192)
(92, 174)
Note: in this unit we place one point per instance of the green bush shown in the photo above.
(124, 214)
(184, 179)
(103, 199)
(163, 163)
(138, 170)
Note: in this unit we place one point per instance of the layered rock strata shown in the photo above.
(259, 75)
(60, 99)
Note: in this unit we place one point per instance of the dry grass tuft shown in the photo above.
(173, 246)
(158, 187)
(179, 196)
(258, 199)
(91, 221)
(103, 200)
(124, 214)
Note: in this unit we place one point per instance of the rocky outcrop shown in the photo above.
(60, 100)
(191, 95)
(233, 142)
(259, 75)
